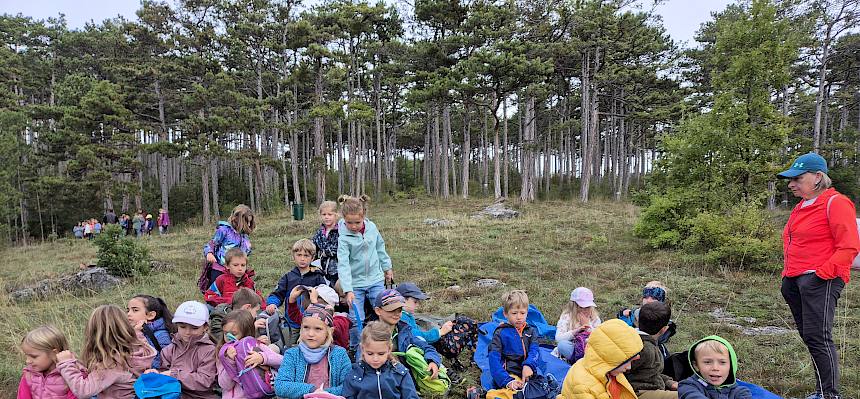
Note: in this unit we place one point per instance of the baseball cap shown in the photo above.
(411, 290)
(191, 312)
(583, 297)
(389, 300)
(810, 162)
(328, 294)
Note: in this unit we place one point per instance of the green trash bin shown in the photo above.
(298, 211)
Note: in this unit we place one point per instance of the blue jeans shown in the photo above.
(565, 349)
(361, 294)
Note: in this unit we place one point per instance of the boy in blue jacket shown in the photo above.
(389, 307)
(290, 286)
(513, 353)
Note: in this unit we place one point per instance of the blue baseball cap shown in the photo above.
(411, 290)
(811, 162)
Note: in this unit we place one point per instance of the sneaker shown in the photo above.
(815, 395)
(473, 393)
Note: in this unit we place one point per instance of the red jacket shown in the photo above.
(222, 290)
(812, 242)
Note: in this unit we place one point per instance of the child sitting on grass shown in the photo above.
(646, 374)
(191, 357)
(575, 324)
(377, 374)
(237, 276)
(151, 317)
(715, 366)
(612, 347)
(41, 378)
(654, 291)
(514, 354)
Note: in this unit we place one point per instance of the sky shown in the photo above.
(681, 17)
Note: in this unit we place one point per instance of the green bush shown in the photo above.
(664, 222)
(120, 255)
(745, 237)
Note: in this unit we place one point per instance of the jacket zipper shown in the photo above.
(378, 384)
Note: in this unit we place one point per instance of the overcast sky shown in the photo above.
(681, 17)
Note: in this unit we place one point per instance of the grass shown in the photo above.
(551, 249)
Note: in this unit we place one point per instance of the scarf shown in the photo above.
(313, 356)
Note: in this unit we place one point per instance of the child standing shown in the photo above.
(715, 366)
(112, 358)
(237, 276)
(151, 317)
(88, 230)
(612, 347)
(646, 374)
(575, 324)
(239, 329)
(234, 233)
(78, 230)
(290, 285)
(513, 353)
(163, 221)
(363, 265)
(326, 241)
(315, 364)
(378, 374)
(137, 223)
(150, 224)
(191, 357)
(41, 378)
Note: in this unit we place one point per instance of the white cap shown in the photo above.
(192, 312)
(328, 294)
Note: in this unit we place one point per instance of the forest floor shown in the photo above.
(551, 249)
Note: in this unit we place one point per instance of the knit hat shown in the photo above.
(389, 300)
(327, 294)
(318, 311)
(191, 312)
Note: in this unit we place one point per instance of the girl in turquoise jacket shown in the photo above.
(363, 265)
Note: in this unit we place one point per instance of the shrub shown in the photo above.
(744, 237)
(120, 255)
(664, 222)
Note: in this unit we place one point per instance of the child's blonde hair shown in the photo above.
(377, 331)
(515, 298)
(572, 309)
(46, 339)
(330, 332)
(234, 252)
(712, 346)
(306, 246)
(242, 219)
(353, 205)
(328, 205)
(109, 339)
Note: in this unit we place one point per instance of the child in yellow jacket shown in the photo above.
(611, 348)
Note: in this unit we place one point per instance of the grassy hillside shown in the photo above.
(551, 249)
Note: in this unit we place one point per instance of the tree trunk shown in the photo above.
(527, 169)
(437, 154)
(586, 137)
(466, 151)
(162, 164)
(822, 82)
(294, 160)
(213, 172)
(204, 185)
(505, 151)
(497, 166)
(318, 164)
(446, 135)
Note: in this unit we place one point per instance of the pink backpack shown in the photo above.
(256, 383)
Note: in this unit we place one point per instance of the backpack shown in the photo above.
(464, 334)
(855, 265)
(414, 360)
(539, 387)
(256, 383)
(157, 386)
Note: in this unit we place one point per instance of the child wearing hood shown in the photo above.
(714, 368)
(611, 349)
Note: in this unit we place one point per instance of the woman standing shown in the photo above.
(820, 242)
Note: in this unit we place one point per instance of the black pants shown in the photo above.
(812, 301)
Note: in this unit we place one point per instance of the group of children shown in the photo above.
(139, 225)
(323, 343)
(87, 229)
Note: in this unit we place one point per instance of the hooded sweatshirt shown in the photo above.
(697, 387)
(610, 345)
(224, 239)
(361, 257)
(193, 364)
(115, 383)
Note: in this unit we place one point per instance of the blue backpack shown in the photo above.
(157, 386)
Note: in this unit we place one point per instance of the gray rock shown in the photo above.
(438, 222)
(497, 210)
(488, 283)
(92, 279)
(766, 330)
(157, 266)
(731, 320)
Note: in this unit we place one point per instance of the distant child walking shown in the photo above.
(112, 358)
(326, 241)
(163, 221)
(41, 378)
(363, 265)
(234, 233)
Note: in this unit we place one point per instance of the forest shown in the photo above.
(197, 105)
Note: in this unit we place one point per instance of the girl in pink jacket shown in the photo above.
(237, 325)
(41, 379)
(112, 358)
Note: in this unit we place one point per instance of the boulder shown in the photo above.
(92, 279)
(498, 210)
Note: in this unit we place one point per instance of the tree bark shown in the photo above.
(446, 135)
(466, 151)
